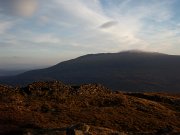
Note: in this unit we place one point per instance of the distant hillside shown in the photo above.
(4, 72)
(128, 71)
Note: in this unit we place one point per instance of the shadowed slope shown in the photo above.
(129, 71)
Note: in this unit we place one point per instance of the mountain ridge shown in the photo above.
(128, 71)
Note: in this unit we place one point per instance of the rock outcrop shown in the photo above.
(51, 107)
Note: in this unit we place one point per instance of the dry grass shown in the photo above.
(55, 105)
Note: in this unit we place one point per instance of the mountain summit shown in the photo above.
(128, 71)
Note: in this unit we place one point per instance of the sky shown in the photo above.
(40, 33)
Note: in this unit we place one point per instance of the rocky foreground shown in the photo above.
(53, 108)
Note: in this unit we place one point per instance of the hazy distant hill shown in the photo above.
(130, 71)
(4, 72)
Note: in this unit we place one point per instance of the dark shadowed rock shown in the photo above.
(79, 129)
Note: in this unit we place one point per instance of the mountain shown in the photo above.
(127, 71)
(53, 108)
(4, 72)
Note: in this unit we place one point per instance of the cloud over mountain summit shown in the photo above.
(66, 29)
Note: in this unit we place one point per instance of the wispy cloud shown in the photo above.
(108, 24)
(4, 26)
(78, 27)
